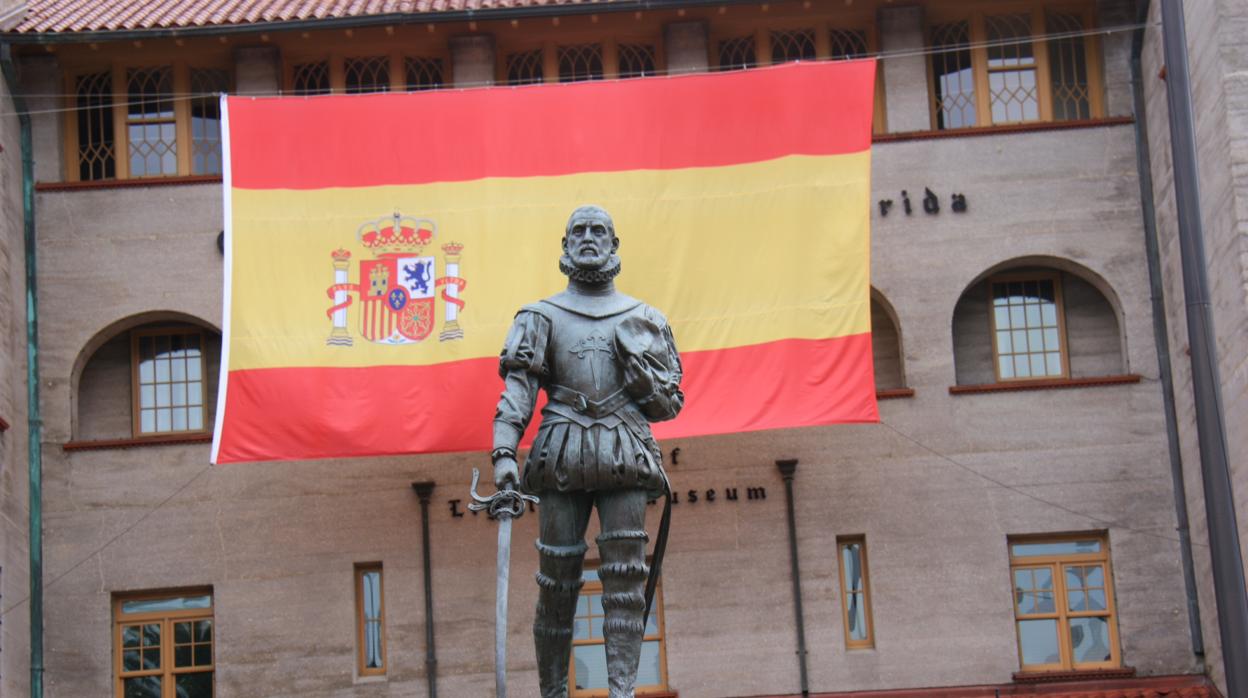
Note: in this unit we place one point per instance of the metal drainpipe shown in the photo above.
(424, 490)
(1228, 565)
(787, 470)
(33, 418)
(1161, 333)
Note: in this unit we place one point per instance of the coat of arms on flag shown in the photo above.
(397, 288)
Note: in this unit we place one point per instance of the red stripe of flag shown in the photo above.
(392, 410)
(550, 130)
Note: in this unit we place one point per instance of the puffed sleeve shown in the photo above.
(522, 365)
(650, 340)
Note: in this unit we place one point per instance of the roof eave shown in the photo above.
(390, 19)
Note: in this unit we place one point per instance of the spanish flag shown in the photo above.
(378, 246)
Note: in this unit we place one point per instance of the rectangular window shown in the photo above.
(737, 53)
(168, 374)
(525, 67)
(93, 99)
(792, 45)
(1028, 328)
(370, 624)
(145, 121)
(588, 674)
(422, 73)
(163, 645)
(637, 60)
(206, 89)
(1032, 63)
(1064, 603)
(151, 127)
(310, 78)
(855, 592)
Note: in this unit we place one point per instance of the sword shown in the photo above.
(502, 506)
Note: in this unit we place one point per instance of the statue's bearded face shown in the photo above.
(590, 239)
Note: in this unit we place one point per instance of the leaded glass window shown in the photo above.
(580, 62)
(422, 73)
(524, 67)
(1068, 67)
(737, 53)
(97, 151)
(636, 60)
(848, 43)
(310, 78)
(792, 45)
(371, 74)
(1012, 90)
(206, 88)
(952, 76)
(151, 126)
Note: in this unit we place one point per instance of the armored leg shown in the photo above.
(622, 547)
(561, 547)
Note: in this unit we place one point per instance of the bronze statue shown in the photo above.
(609, 367)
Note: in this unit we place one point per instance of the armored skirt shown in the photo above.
(595, 429)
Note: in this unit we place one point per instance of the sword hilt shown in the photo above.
(508, 501)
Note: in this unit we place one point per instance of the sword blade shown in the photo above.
(500, 606)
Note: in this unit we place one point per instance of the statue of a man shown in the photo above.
(609, 367)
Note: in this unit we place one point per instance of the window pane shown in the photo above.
(524, 68)
(1038, 639)
(368, 74)
(197, 685)
(164, 420)
(147, 421)
(176, 603)
(94, 101)
(1004, 345)
(851, 560)
(1070, 547)
(1089, 640)
(371, 583)
(195, 420)
(589, 663)
(857, 617)
(372, 645)
(954, 81)
(147, 396)
(737, 53)
(580, 629)
(1068, 67)
(583, 62)
(648, 670)
(143, 687)
(130, 636)
(182, 656)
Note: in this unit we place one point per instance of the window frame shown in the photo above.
(841, 543)
(166, 620)
(595, 587)
(1038, 11)
(1057, 565)
(761, 31)
(361, 620)
(337, 60)
(119, 74)
(1058, 300)
(136, 414)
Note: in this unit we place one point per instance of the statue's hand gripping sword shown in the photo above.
(502, 506)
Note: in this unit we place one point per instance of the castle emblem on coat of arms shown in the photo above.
(399, 287)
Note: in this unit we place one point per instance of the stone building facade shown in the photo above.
(983, 476)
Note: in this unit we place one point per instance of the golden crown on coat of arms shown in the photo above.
(397, 234)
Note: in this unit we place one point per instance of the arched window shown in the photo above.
(1029, 323)
(152, 379)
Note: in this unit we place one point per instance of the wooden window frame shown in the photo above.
(337, 60)
(1038, 11)
(1058, 300)
(595, 587)
(1057, 565)
(841, 543)
(181, 70)
(168, 672)
(823, 28)
(135, 385)
(361, 621)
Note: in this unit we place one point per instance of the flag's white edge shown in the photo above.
(223, 382)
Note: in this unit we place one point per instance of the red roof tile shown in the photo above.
(59, 16)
